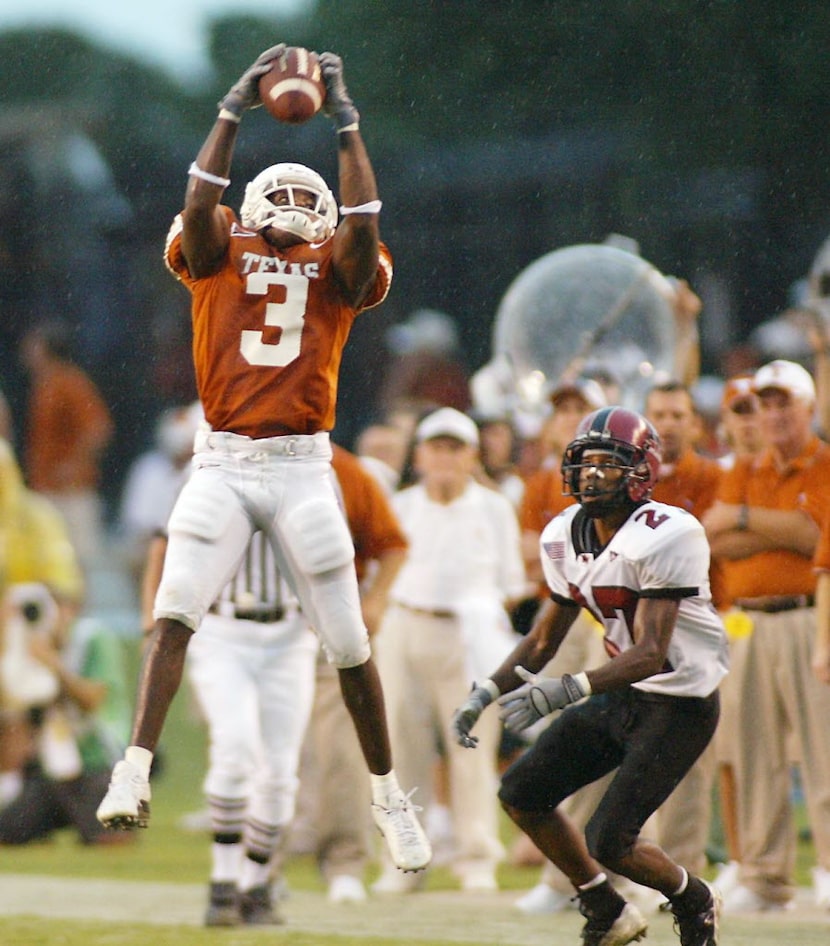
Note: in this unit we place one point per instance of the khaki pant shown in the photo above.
(784, 712)
(423, 666)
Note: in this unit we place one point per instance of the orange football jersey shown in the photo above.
(268, 332)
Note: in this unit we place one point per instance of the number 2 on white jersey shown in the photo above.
(289, 315)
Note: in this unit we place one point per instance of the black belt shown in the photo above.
(774, 604)
(260, 615)
(444, 613)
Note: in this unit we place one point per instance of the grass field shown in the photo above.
(62, 894)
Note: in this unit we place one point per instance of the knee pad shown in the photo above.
(318, 537)
(197, 564)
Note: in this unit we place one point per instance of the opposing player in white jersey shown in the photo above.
(641, 568)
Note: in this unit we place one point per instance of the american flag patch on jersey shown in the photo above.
(554, 550)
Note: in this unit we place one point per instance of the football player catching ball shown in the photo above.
(275, 292)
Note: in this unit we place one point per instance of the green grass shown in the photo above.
(166, 853)
(33, 932)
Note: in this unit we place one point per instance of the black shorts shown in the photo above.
(650, 739)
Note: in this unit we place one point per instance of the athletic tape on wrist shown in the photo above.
(195, 171)
(230, 116)
(372, 207)
(491, 688)
(576, 686)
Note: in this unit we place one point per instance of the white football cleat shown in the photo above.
(396, 820)
(127, 802)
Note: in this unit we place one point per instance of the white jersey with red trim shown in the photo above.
(660, 551)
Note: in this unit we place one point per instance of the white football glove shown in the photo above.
(538, 697)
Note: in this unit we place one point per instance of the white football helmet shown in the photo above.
(311, 224)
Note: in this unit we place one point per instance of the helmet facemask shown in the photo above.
(312, 224)
(631, 446)
(604, 494)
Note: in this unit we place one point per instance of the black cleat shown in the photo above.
(603, 930)
(701, 928)
(257, 909)
(223, 906)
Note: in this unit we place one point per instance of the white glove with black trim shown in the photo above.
(538, 697)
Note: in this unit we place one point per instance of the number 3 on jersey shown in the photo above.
(288, 315)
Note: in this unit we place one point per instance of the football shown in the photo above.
(293, 90)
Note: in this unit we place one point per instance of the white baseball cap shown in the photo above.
(448, 422)
(589, 390)
(785, 376)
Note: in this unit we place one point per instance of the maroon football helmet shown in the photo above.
(629, 438)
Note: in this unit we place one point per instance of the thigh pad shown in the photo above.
(204, 508)
(318, 536)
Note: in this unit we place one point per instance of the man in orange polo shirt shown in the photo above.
(690, 481)
(764, 531)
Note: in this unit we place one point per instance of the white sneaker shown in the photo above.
(821, 887)
(646, 899)
(479, 880)
(127, 802)
(543, 899)
(346, 889)
(727, 877)
(393, 881)
(744, 900)
(397, 822)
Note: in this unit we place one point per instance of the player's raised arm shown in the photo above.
(205, 227)
(356, 242)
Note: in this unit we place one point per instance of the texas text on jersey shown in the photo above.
(289, 325)
(654, 554)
